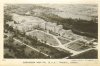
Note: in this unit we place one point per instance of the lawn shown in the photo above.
(78, 46)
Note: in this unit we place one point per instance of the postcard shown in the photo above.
(48, 32)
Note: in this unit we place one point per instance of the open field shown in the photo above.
(78, 46)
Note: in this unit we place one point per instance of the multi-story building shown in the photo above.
(49, 26)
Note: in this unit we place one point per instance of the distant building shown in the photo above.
(49, 26)
(11, 23)
(58, 28)
(62, 32)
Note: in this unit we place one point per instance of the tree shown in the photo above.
(7, 56)
(11, 40)
(7, 17)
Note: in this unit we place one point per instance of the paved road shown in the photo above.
(73, 41)
(59, 43)
(30, 47)
(63, 46)
(80, 52)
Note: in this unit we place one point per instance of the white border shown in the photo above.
(20, 61)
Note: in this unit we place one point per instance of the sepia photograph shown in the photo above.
(50, 31)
